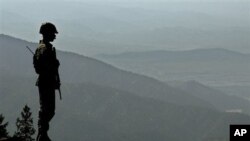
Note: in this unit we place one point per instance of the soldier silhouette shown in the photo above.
(46, 66)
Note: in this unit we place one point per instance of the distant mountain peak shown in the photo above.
(194, 54)
(215, 50)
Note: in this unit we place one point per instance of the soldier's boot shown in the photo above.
(43, 137)
(42, 133)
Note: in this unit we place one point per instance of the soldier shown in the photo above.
(46, 66)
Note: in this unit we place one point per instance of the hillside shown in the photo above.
(91, 112)
(217, 98)
(76, 69)
(236, 90)
(101, 102)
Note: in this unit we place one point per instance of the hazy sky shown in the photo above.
(120, 25)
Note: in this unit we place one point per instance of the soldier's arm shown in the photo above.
(42, 63)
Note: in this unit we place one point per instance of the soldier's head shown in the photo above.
(49, 31)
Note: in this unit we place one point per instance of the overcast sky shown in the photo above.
(78, 22)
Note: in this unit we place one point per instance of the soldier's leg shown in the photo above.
(47, 111)
(50, 104)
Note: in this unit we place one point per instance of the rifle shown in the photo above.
(57, 73)
(30, 50)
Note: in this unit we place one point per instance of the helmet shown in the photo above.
(48, 28)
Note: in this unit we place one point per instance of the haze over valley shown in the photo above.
(138, 70)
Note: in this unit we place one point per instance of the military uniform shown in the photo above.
(46, 66)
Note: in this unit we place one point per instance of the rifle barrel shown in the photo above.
(60, 93)
(30, 50)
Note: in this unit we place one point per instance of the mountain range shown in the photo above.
(90, 70)
(102, 102)
(213, 67)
